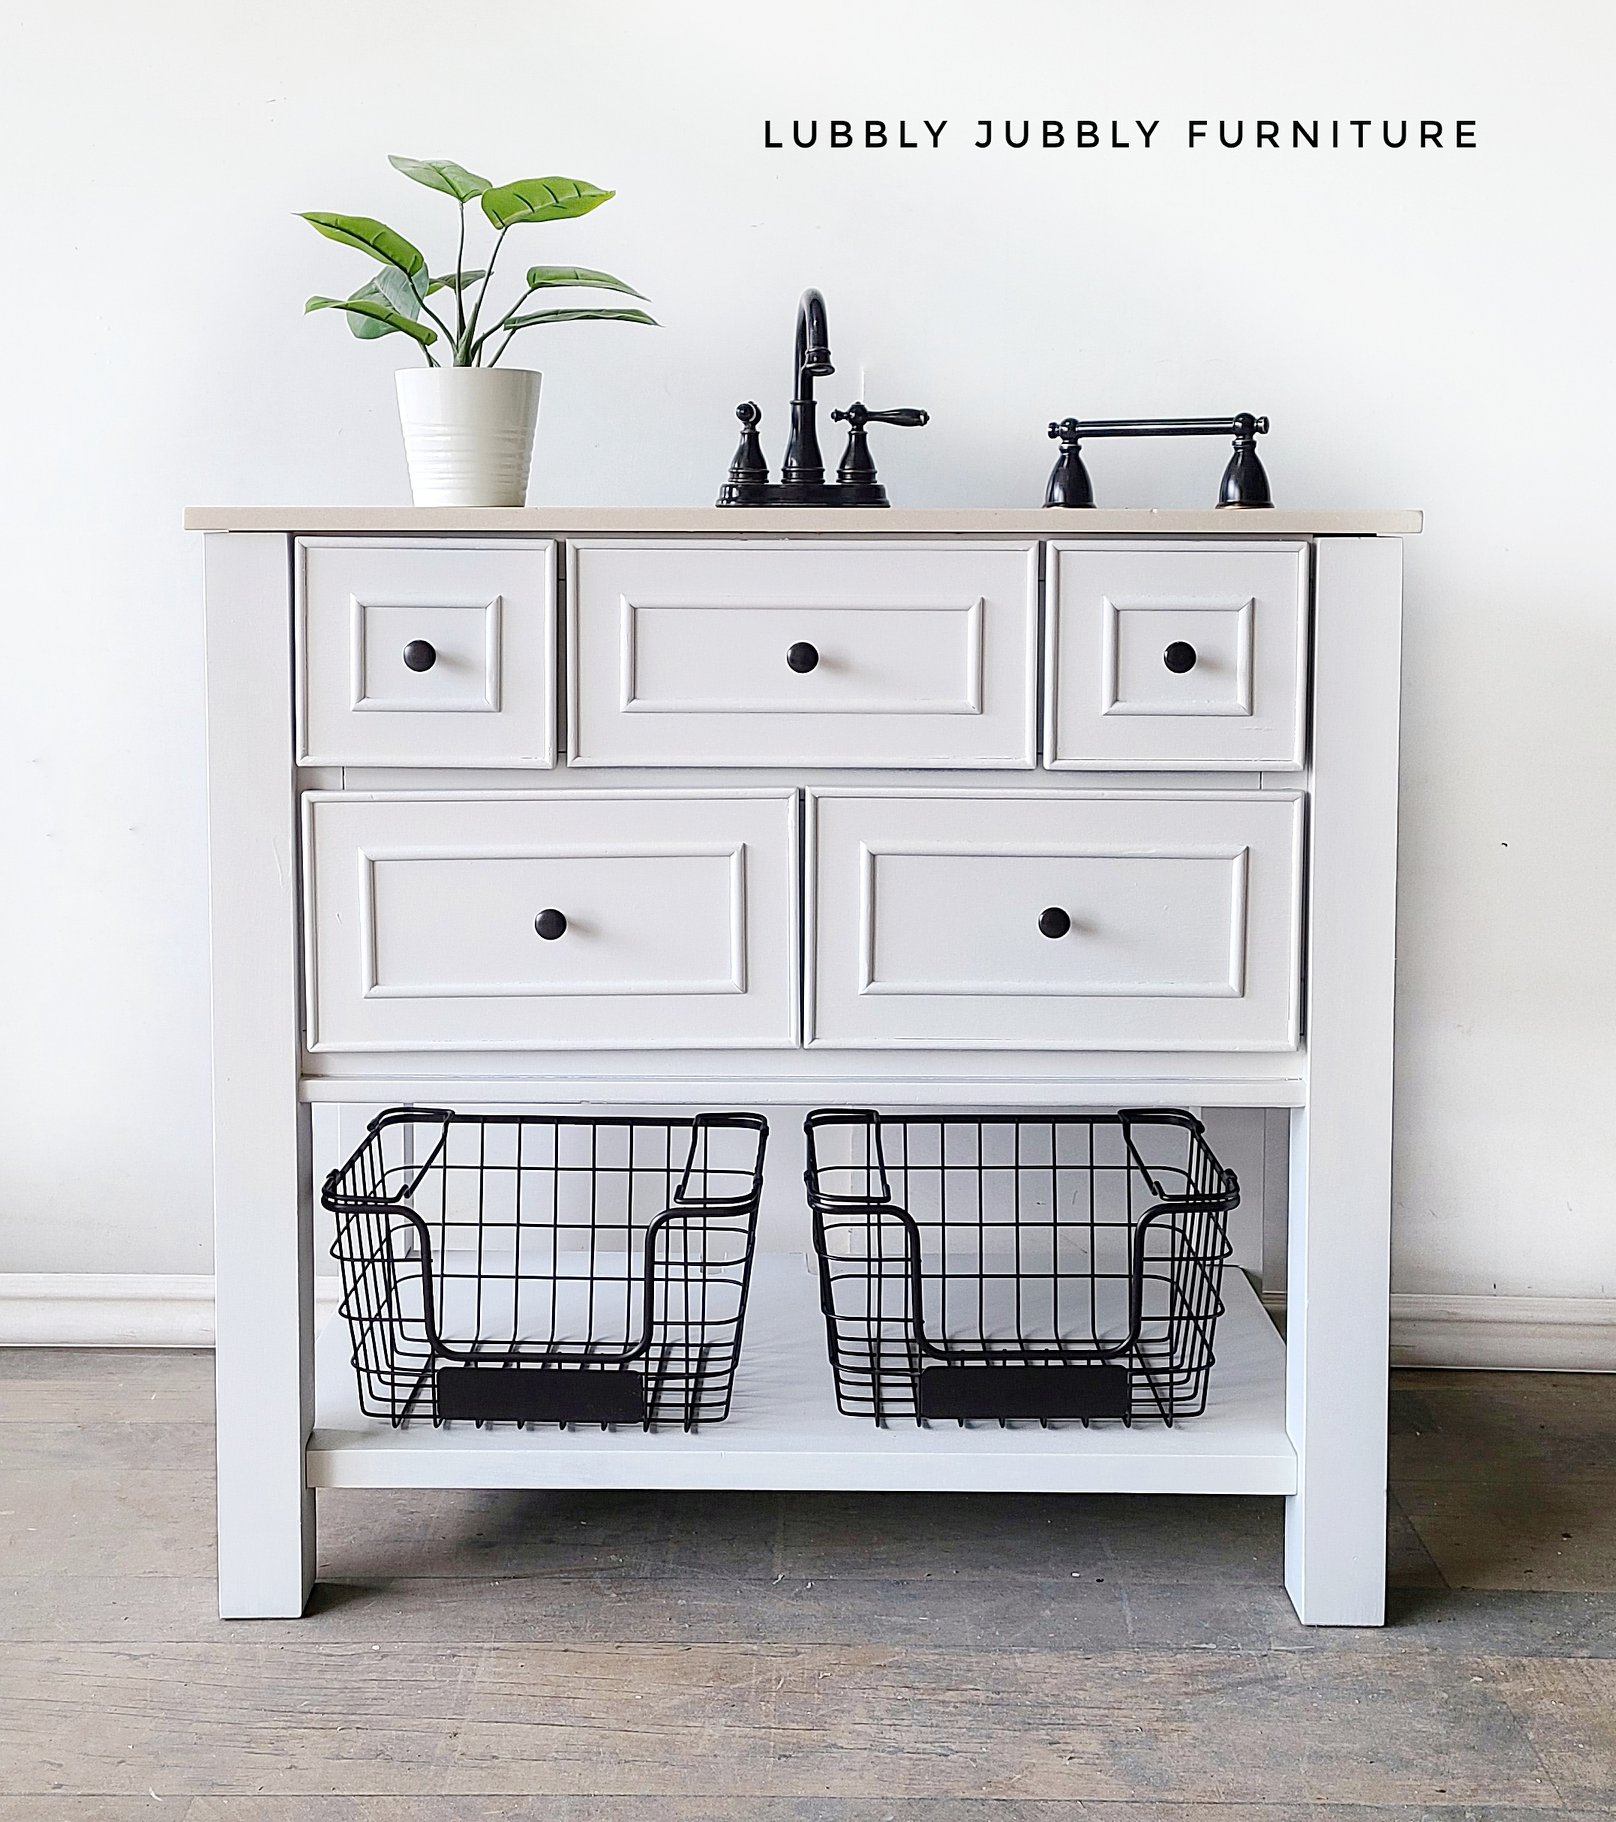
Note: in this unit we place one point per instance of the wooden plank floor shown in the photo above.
(794, 1658)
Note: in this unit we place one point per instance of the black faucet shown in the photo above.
(802, 475)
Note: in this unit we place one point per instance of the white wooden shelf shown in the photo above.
(784, 1431)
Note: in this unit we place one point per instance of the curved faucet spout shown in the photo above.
(811, 349)
(804, 466)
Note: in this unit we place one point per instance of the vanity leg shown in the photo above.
(261, 1144)
(1340, 1213)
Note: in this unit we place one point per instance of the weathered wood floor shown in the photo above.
(608, 1658)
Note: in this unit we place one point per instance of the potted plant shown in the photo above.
(468, 421)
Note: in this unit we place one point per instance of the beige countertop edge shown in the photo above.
(711, 521)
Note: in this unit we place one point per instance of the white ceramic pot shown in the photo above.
(468, 433)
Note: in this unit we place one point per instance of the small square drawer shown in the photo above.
(882, 653)
(981, 921)
(426, 653)
(556, 920)
(1173, 657)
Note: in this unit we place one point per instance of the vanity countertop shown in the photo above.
(709, 521)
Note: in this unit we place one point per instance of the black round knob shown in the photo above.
(1179, 657)
(420, 655)
(1054, 921)
(803, 657)
(550, 925)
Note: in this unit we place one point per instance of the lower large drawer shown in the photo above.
(1136, 921)
(449, 921)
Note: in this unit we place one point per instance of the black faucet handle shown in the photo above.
(858, 414)
(749, 470)
(856, 476)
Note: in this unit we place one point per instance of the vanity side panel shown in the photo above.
(262, 1156)
(1341, 1140)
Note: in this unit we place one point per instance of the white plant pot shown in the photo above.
(468, 433)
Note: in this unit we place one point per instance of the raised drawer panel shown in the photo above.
(517, 922)
(1121, 922)
(803, 654)
(426, 653)
(1167, 658)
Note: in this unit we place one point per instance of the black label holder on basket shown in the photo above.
(1007, 1393)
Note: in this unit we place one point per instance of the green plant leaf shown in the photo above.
(540, 278)
(542, 199)
(452, 281)
(380, 313)
(372, 237)
(442, 174)
(575, 316)
(391, 288)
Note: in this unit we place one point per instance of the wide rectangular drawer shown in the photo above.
(426, 652)
(1165, 657)
(454, 921)
(1128, 921)
(803, 653)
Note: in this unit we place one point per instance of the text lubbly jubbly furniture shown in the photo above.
(1007, 815)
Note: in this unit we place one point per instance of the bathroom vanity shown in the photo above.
(569, 809)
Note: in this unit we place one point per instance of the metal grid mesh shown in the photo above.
(962, 1259)
(533, 1269)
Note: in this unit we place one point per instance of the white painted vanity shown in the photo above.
(800, 783)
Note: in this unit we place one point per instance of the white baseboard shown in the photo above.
(1505, 1334)
(116, 1309)
(1523, 1334)
(175, 1310)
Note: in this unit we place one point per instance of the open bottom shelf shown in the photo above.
(785, 1432)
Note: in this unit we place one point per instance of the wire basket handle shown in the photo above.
(870, 1120)
(700, 1127)
(1186, 1201)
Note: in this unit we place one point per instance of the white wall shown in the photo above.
(1425, 330)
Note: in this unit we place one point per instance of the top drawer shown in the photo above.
(812, 653)
(426, 652)
(1164, 657)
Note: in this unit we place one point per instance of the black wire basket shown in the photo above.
(514, 1268)
(1039, 1268)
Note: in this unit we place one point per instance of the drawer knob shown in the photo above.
(1179, 657)
(420, 655)
(1054, 921)
(803, 657)
(550, 924)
